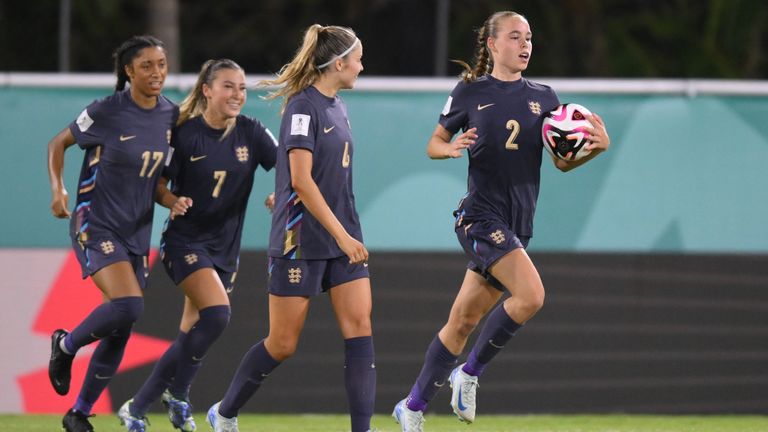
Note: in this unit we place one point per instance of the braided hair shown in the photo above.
(483, 59)
(127, 51)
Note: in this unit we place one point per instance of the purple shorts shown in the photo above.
(180, 263)
(103, 250)
(303, 278)
(485, 242)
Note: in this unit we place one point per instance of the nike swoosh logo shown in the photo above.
(437, 384)
(326, 130)
(482, 107)
(461, 405)
(197, 158)
(490, 342)
(126, 138)
(197, 359)
(99, 377)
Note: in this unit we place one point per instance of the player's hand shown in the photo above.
(462, 142)
(269, 202)
(598, 135)
(59, 204)
(355, 250)
(181, 206)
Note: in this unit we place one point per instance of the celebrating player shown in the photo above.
(316, 239)
(499, 115)
(216, 153)
(126, 140)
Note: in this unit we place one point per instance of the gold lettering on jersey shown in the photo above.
(294, 275)
(482, 107)
(514, 126)
(497, 236)
(126, 138)
(146, 157)
(535, 107)
(242, 154)
(219, 176)
(345, 159)
(190, 258)
(326, 130)
(107, 247)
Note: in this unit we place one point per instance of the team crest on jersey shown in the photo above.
(242, 153)
(107, 247)
(294, 275)
(190, 258)
(497, 236)
(535, 107)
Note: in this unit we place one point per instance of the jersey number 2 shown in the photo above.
(513, 126)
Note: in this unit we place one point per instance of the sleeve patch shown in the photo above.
(84, 121)
(447, 107)
(300, 124)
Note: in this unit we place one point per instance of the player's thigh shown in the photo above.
(475, 298)
(117, 280)
(352, 304)
(287, 315)
(204, 289)
(517, 273)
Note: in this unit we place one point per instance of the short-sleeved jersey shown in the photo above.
(505, 161)
(126, 147)
(218, 175)
(319, 124)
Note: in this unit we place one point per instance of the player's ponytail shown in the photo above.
(483, 59)
(322, 46)
(127, 51)
(195, 103)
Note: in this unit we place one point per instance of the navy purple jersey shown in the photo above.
(126, 147)
(218, 175)
(505, 161)
(319, 124)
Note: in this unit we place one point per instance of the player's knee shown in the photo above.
(532, 302)
(281, 349)
(216, 318)
(465, 325)
(127, 310)
(358, 326)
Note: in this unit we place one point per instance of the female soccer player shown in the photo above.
(126, 140)
(316, 240)
(216, 153)
(499, 114)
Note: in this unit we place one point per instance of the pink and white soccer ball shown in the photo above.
(565, 131)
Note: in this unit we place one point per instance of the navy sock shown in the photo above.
(159, 380)
(254, 368)
(213, 320)
(360, 380)
(104, 362)
(103, 320)
(438, 363)
(498, 329)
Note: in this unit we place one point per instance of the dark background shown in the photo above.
(572, 38)
(628, 333)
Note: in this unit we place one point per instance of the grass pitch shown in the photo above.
(434, 423)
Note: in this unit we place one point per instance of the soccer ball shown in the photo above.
(564, 131)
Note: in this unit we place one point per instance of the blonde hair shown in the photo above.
(322, 45)
(483, 59)
(195, 103)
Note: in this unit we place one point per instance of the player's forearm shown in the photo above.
(313, 200)
(56, 149)
(437, 148)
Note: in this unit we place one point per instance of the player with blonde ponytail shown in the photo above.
(316, 240)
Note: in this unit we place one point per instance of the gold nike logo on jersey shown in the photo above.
(482, 107)
(126, 138)
(197, 158)
(326, 130)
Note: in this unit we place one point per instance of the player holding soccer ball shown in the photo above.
(500, 114)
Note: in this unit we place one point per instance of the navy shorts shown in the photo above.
(180, 263)
(100, 251)
(303, 278)
(485, 242)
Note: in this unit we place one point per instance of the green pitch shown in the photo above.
(489, 423)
